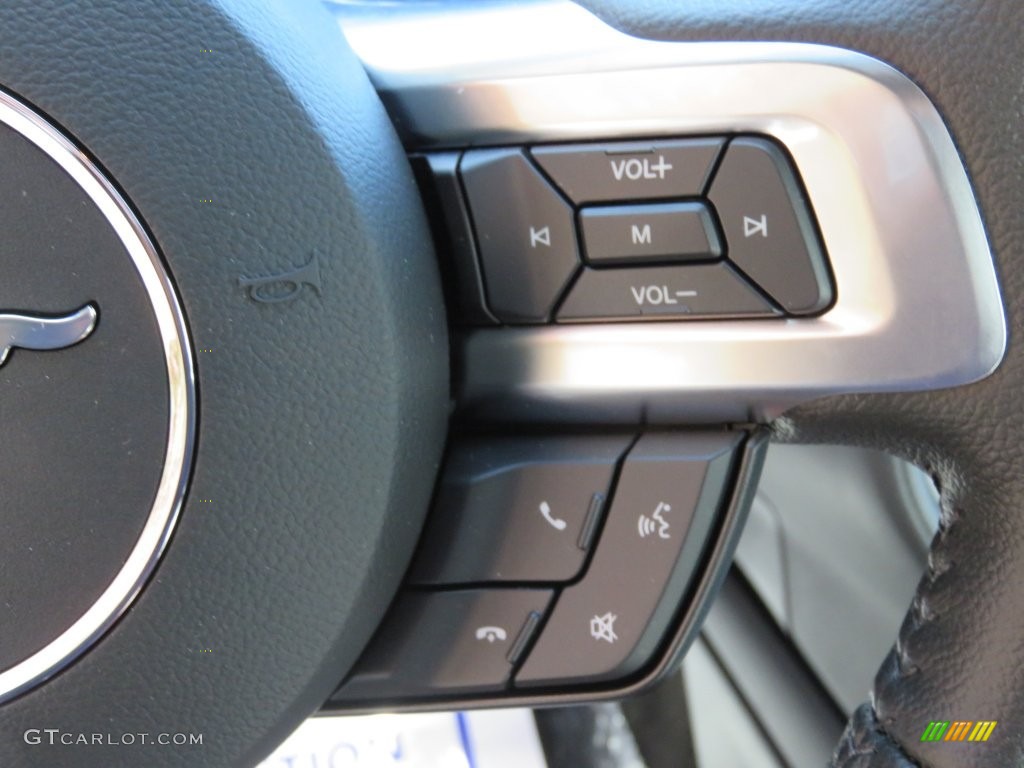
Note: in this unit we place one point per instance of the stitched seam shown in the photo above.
(855, 751)
(921, 613)
(871, 748)
(894, 741)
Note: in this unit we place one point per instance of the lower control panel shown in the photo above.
(556, 563)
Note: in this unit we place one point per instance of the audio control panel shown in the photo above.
(672, 229)
(550, 564)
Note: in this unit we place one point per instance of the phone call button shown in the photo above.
(522, 509)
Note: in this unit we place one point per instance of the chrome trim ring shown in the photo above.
(918, 306)
(163, 515)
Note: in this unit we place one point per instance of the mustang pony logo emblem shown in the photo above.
(39, 332)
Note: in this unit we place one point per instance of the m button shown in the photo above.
(643, 234)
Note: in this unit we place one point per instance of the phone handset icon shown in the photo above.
(491, 634)
(556, 522)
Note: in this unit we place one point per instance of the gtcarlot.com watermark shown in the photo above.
(55, 736)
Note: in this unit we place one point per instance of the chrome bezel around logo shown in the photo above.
(97, 618)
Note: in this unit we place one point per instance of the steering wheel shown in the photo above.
(231, 362)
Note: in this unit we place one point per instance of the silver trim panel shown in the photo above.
(918, 306)
(163, 515)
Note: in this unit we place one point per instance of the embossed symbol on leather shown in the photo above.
(41, 332)
(284, 286)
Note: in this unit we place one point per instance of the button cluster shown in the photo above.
(533, 572)
(661, 229)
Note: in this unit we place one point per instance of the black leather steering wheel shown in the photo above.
(249, 142)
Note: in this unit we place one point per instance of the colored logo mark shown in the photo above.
(959, 730)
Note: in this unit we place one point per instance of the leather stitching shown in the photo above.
(893, 741)
(863, 738)
(854, 749)
(921, 613)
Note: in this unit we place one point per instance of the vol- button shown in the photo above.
(658, 295)
(691, 291)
